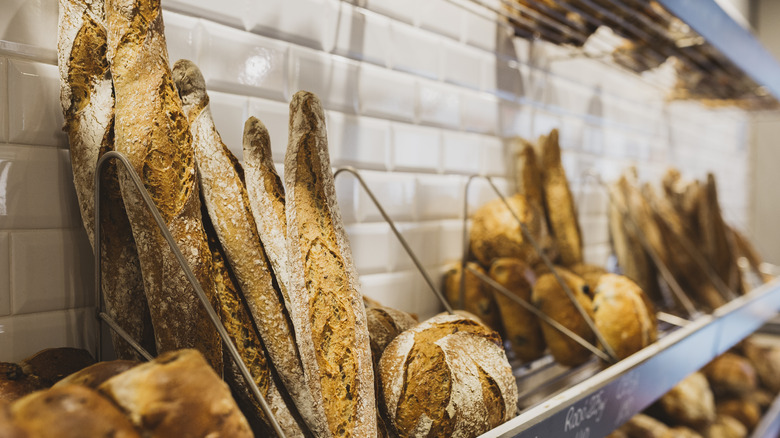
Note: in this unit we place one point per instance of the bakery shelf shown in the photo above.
(599, 404)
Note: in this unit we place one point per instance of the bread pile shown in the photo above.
(617, 306)
(726, 399)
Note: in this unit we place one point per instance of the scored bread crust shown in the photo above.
(622, 315)
(152, 132)
(327, 308)
(87, 100)
(225, 197)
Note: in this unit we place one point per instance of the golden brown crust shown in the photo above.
(549, 297)
(94, 375)
(477, 296)
(521, 327)
(730, 374)
(621, 315)
(495, 232)
(690, 402)
(718, 247)
(152, 132)
(590, 273)
(766, 362)
(177, 394)
(746, 411)
(384, 324)
(15, 383)
(327, 308)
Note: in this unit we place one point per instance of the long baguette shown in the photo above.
(327, 308)
(152, 131)
(225, 196)
(87, 99)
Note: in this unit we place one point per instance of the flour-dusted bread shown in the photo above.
(151, 129)
(623, 315)
(70, 411)
(384, 324)
(87, 99)
(495, 232)
(177, 394)
(326, 305)
(478, 297)
(447, 376)
(559, 203)
(690, 402)
(229, 211)
(549, 297)
(521, 327)
(94, 375)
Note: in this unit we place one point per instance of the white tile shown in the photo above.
(230, 12)
(307, 22)
(370, 247)
(438, 103)
(5, 288)
(229, 112)
(416, 147)
(592, 200)
(332, 78)
(423, 240)
(275, 117)
(514, 119)
(463, 65)
(358, 141)
(397, 290)
(235, 61)
(34, 94)
(403, 10)
(443, 17)
(542, 122)
(30, 22)
(594, 230)
(24, 335)
(597, 254)
(450, 241)
(183, 36)
(461, 152)
(440, 196)
(362, 35)
(415, 50)
(479, 112)
(480, 192)
(346, 187)
(481, 31)
(50, 270)
(36, 188)
(3, 100)
(396, 192)
(386, 93)
(494, 157)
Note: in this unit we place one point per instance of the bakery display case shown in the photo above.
(425, 107)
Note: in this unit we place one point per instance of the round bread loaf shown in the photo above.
(590, 273)
(15, 383)
(549, 297)
(730, 374)
(726, 427)
(496, 233)
(52, 364)
(94, 375)
(747, 411)
(447, 376)
(477, 296)
(691, 402)
(384, 324)
(622, 316)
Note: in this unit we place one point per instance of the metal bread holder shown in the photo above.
(102, 316)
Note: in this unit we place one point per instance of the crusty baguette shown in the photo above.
(224, 194)
(327, 308)
(266, 197)
(718, 245)
(151, 130)
(559, 203)
(87, 98)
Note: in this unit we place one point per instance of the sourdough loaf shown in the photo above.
(590, 273)
(52, 364)
(87, 99)
(224, 195)
(15, 383)
(384, 324)
(622, 315)
(521, 327)
(94, 375)
(447, 376)
(151, 130)
(690, 402)
(326, 305)
(730, 374)
(478, 299)
(177, 394)
(495, 232)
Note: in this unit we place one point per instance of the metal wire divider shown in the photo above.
(102, 316)
(608, 354)
(354, 172)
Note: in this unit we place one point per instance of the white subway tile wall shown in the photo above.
(418, 95)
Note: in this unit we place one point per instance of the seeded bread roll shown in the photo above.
(15, 383)
(70, 411)
(152, 131)
(87, 100)
(477, 296)
(690, 402)
(326, 305)
(177, 394)
(559, 203)
(94, 375)
(224, 195)
(521, 327)
(447, 376)
(590, 273)
(549, 297)
(495, 232)
(622, 315)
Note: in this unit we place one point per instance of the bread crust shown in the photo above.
(87, 100)
(327, 308)
(495, 232)
(152, 132)
(478, 298)
(622, 316)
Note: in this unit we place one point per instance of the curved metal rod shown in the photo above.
(553, 270)
(398, 235)
(187, 272)
(538, 313)
(666, 274)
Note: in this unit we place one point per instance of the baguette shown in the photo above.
(327, 308)
(152, 132)
(224, 195)
(87, 99)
